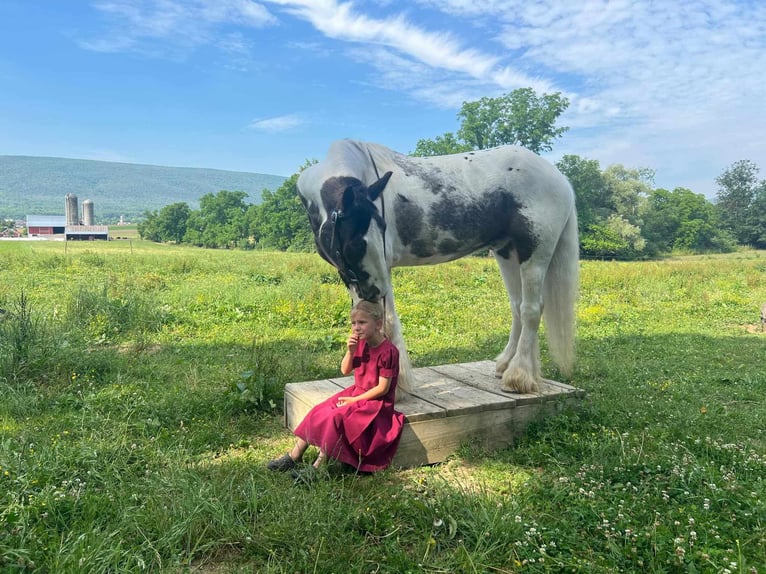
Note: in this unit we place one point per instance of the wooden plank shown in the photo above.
(416, 409)
(566, 389)
(549, 389)
(455, 397)
(432, 441)
(478, 377)
(300, 398)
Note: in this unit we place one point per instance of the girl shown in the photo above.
(358, 425)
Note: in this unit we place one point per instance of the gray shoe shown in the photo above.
(282, 464)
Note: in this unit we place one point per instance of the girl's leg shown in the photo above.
(300, 447)
(320, 459)
(291, 459)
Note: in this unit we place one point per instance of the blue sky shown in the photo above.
(262, 86)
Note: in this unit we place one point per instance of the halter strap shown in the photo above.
(382, 218)
(382, 226)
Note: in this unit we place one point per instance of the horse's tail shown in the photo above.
(560, 297)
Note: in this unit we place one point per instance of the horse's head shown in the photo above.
(349, 231)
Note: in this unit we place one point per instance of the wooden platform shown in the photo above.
(453, 404)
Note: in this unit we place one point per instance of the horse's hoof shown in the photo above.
(519, 382)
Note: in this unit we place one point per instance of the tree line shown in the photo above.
(621, 214)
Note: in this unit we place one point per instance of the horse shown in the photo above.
(430, 210)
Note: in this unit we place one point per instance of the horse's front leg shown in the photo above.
(406, 381)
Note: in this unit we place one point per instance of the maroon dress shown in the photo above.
(364, 434)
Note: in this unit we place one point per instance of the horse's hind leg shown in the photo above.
(523, 372)
(511, 274)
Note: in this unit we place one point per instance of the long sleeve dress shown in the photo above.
(364, 434)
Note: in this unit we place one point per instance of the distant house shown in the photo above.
(46, 225)
(55, 226)
(87, 232)
(12, 233)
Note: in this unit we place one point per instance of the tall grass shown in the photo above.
(141, 389)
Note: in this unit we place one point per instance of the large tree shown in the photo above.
(741, 203)
(628, 190)
(592, 194)
(280, 221)
(167, 224)
(520, 117)
(220, 221)
(440, 145)
(684, 221)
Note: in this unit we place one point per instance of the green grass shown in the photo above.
(127, 231)
(141, 387)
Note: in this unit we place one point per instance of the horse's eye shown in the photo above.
(354, 250)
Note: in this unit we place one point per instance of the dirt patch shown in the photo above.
(754, 328)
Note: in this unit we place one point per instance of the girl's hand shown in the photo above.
(352, 342)
(343, 401)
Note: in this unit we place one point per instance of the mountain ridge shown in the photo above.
(37, 185)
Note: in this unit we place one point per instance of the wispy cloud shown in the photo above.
(648, 82)
(401, 50)
(137, 25)
(278, 123)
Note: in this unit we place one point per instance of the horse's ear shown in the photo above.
(374, 191)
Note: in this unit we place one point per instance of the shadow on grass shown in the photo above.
(165, 438)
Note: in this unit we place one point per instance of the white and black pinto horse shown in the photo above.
(372, 209)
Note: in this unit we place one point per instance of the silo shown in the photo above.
(70, 209)
(87, 212)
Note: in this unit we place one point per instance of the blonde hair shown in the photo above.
(374, 310)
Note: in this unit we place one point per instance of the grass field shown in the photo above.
(128, 231)
(141, 391)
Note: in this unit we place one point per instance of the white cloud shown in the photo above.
(668, 85)
(278, 123)
(441, 51)
(655, 84)
(187, 23)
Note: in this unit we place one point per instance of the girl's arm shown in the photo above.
(347, 363)
(375, 392)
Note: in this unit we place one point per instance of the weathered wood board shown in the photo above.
(452, 405)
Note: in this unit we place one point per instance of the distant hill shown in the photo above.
(37, 186)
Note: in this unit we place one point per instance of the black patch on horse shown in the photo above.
(432, 177)
(506, 227)
(409, 219)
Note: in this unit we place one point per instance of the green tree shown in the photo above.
(755, 221)
(740, 202)
(441, 145)
(601, 242)
(520, 117)
(148, 228)
(683, 220)
(628, 190)
(592, 195)
(280, 220)
(220, 221)
(171, 221)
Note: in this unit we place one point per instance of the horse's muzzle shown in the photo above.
(367, 292)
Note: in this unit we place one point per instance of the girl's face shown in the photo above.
(365, 326)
